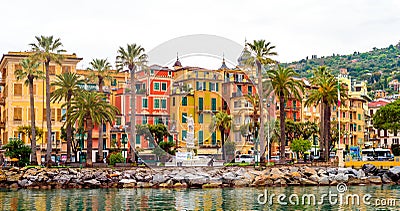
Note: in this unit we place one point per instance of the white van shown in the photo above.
(244, 158)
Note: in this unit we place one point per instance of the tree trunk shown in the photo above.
(89, 125)
(322, 132)
(327, 122)
(100, 139)
(48, 114)
(133, 112)
(33, 126)
(261, 103)
(282, 125)
(222, 144)
(69, 129)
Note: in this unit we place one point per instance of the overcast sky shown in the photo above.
(95, 28)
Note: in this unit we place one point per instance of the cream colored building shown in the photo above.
(15, 105)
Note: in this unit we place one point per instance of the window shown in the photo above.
(204, 86)
(200, 137)
(184, 101)
(294, 117)
(184, 115)
(214, 139)
(238, 120)
(151, 72)
(199, 86)
(169, 73)
(201, 103)
(52, 70)
(66, 69)
(137, 139)
(351, 116)
(184, 132)
(17, 114)
(250, 90)
(173, 101)
(211, 86)
(53, 114)
(213, 104)
(157, 86)
(17, 89)
(216, 87)
(236, 104)
(344, 115)
(44, 115)
(164, 103)
(144, 103)
(164, 86)
(359, 116)
(144, 120)
(238, 137)
(359, 127)
(156, 103)
(200, 118)
(118, 121)
(64, 118)
(59, 115)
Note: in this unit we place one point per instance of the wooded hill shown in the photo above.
(378, 67)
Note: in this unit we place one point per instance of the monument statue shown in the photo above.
(190, 123)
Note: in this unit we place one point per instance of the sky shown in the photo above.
(96, 28)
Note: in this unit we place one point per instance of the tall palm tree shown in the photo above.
(89, 109)
(254, 101)
(326, 94)
(223, 122)
(29, 73)
(100, 72)
(262, 51)
(285, 86)
(67, 87)
(46, 50)
(132, 57)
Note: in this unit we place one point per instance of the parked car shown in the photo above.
(244, 158)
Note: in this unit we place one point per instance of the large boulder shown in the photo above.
(395, 170)
(159, 178)
(341, 177)
(276, 171)
(93, 182)
(314, 178)
(309, 171)
(323, 180)
(305, 181)
(196, 180)
(375, 180)
(369, 169)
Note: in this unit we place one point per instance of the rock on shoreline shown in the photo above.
(194, 177)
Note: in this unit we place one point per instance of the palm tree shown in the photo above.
(67, 84)
(100, 72)
(326, 94)
(132, 57)
(46, 50)
(262, 51)
(254, 101)
(29, 73)
(89, 109)
(223, 122)
(285, 86)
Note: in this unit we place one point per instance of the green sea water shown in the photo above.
(203, 199)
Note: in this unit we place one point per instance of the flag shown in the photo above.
(338, 93)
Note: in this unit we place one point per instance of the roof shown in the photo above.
(378, 103)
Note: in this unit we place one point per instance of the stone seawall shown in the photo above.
(200, 177)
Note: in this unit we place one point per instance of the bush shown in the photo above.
(396, 149)
(116, 158)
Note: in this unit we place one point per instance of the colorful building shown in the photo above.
(196, 92)
(15, 105)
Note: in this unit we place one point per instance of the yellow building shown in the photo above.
(353, 113)
(196, 92)
(14, 101)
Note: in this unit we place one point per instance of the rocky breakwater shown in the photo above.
(200, 177)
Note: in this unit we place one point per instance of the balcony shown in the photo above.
(2, 125)
(2, 101)
(2, 82)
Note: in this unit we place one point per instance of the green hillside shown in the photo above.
(378, 66)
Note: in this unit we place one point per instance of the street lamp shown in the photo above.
(124, 141)
(268, 124)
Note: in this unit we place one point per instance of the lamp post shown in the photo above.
(124, 141)
(268, 124)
